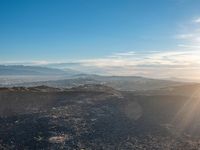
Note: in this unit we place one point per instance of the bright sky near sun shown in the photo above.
(131, 36)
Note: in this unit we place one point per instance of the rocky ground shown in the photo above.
(91, 117)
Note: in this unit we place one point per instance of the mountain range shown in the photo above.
(33, 70)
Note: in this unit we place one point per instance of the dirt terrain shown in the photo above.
(96, 117)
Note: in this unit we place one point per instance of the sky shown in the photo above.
(154, 38)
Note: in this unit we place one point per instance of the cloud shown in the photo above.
(190, 38)
(130, 53)
(189, 46)
(185, 36)
(197, 20)
(153, 64)
(161, 64)
(174, 63)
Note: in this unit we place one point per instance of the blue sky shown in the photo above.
(98, 31)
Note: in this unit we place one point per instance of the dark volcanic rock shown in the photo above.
(92, 117)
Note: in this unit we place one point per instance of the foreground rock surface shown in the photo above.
(94, 117)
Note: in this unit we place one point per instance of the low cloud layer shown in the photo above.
(184, 64)
(190, 37)
(181, 64)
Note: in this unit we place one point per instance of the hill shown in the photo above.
(123, 83)
(21, 70)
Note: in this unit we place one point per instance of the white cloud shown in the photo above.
(190, 37)
(160, 64)
(42, 62)
(189, 46)
(185, 36)
(197, 20)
